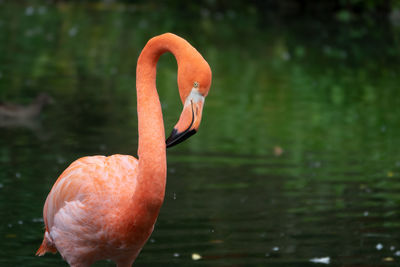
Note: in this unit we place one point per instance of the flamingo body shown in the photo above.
(106, 207)
(99, 230)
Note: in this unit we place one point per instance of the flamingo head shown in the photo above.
(194, 81)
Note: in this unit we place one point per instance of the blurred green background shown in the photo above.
(297, 158)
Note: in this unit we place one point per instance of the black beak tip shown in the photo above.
(178, 137)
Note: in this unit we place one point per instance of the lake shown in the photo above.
(297, 159)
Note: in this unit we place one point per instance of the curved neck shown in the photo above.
(150, 187)
(151, 149)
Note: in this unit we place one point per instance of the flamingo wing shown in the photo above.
(81, 208)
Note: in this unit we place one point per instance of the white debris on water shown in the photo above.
(379, 246)
(323, 260)
(196, 256)
(35, 220)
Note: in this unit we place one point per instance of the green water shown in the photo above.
(297, 157)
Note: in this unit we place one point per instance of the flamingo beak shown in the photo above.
(189, 120)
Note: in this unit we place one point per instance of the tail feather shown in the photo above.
(46, 246)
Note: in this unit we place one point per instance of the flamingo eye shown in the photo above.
(196, 85)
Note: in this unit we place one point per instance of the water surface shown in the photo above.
(296, 161)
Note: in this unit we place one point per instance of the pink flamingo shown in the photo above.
(106, 207)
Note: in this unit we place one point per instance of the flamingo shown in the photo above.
(106, 207)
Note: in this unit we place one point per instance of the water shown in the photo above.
(296, 162)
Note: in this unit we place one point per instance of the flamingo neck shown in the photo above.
(151, 181)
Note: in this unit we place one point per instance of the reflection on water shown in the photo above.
(296, 162)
